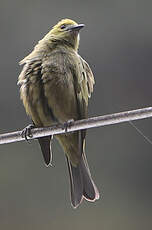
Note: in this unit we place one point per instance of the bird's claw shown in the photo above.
(26, 132)
(67, 125)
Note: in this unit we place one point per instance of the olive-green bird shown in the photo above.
(55, 86)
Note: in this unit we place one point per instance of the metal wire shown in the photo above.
(79, 125)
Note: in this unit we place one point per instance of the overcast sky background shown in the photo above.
(117, 43)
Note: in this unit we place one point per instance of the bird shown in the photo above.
(55, 86)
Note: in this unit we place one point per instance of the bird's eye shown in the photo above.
(63, 26)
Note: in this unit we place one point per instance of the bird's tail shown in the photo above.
(81, 183)
(45, 144)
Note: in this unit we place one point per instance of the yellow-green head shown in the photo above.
(66, 31)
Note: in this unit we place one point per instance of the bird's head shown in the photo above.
(66, 31)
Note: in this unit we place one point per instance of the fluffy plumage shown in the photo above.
(55, 86)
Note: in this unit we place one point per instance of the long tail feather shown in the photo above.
(81, 183)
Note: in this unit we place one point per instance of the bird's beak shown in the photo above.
(75, 27)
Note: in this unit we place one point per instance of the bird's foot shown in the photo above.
(67, 125)
(26, 132)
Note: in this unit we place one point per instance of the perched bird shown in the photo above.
(55, 86)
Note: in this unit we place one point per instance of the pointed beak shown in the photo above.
(75, 27)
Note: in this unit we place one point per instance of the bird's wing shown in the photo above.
(83, 82)
(88, 76)
(34, 101)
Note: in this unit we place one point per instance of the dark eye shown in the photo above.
(63, 26)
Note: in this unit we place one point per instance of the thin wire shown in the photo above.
(140, 132)
(93, 122)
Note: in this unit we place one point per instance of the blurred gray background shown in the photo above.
(117, 43)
